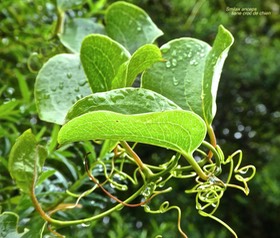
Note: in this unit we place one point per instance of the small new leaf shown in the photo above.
(101, 58)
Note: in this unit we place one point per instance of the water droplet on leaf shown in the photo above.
(69, 75)
(193, 62)
(61, 85)
(82, 83)
(174, 62)
(168, 64)
(175, 81)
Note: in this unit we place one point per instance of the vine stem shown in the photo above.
(47, 218)
(195, 166)
(138, 161)
(213, 140)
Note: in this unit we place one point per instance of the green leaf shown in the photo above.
(26, 160)
(180, 77)
(59, 84)
(76, 30)
(101, 58)
(125, 100)
(68, 4)
(130, 26)
(178, 130)
(213, 68)
(8, 225)
(143, 58)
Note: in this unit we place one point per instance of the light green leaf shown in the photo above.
(59, 84)
(179, 130)
(26, 160)
(125, 100)
(8, 225)
(143, 58)
(101, 58)
(180, 77)
(68, 4)
(76, 30)
(130, 25)
(213, 68)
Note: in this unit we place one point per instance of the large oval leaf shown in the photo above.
(130, 26)
(178, 130)
(59, 84)
(180, 78)
(101, 58)
(76, 30)
(26, 160)
(125, 100)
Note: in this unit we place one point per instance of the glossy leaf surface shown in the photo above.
(59, 84)
(26, 160)
(180, 78)
(75, 31)
(178, 130)
(101, 58)
(130, 26)
(125, 100)
(213, 69)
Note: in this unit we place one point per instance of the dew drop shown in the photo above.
(61, 85)
(175, 81)
(77, 89)
(168, 64)
(139, 28)
(69, 75)
(193, 62)
(82, 83)
(174, 62)
(53, 88)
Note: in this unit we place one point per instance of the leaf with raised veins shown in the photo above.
(179, 130)
(101, 59)
(124, 100)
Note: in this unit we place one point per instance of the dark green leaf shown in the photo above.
(180, 77)
(125, 100)
(179, 130)
(26, 160)
(101, 58)
(130, 26)
(76, 30)
(59, 84)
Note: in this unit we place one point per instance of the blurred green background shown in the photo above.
(248, 114)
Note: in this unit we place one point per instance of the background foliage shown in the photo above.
(248, 114)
